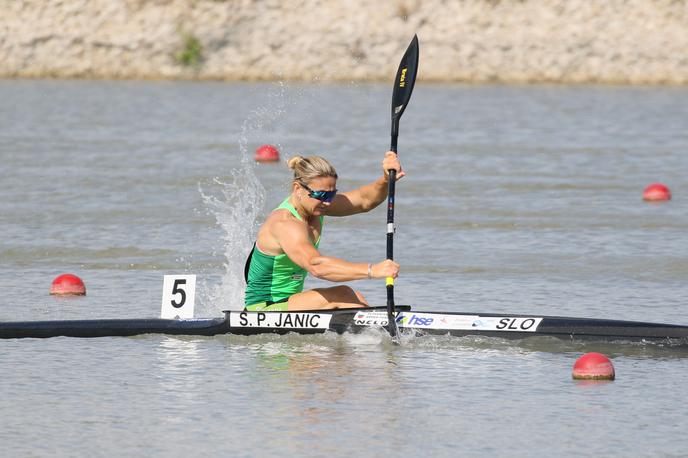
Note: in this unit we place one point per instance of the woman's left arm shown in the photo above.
(368, 196)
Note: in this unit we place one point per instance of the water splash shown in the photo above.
(237, 205)
(236, 210)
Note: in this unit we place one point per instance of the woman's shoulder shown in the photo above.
(279, 223)
(282, 214)
(282, 217)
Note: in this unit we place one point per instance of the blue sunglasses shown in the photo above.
(322, 196)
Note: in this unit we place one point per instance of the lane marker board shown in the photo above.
(178, 296)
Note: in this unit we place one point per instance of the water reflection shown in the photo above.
(179, 361)
(318, 381)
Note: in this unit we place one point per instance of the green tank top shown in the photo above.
(275, 278)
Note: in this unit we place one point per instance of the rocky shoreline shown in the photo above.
(477, 41)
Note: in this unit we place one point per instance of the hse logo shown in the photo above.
(402, 78)
(414, 320)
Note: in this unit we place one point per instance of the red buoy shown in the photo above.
(68, 285)
(267, 153)
(593, 366)
(656, 192)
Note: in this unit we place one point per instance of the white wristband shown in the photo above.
(370, 271)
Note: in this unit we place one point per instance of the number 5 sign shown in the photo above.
(178, 296)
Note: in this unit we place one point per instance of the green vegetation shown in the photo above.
(191, 54)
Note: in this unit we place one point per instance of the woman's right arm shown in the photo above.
(293, 239)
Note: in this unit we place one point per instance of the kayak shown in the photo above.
(340, 321)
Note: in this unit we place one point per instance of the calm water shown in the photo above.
(518, 199)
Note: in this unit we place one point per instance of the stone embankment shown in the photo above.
(514, 41)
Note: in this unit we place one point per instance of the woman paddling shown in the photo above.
(286, 248)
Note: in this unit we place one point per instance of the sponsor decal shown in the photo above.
(282, 320)
(415, 320)
(456, 321)
(371, 318)
(435, 320)
(467, 322)
(402, 79)
(442, 321)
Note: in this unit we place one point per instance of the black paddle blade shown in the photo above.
(404, 82)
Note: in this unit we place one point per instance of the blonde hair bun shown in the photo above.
(294, 161)
(311, 167)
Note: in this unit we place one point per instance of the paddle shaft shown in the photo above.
(391, 318)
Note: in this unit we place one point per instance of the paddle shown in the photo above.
(403, 87)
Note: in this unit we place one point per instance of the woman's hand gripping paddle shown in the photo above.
(403, 87)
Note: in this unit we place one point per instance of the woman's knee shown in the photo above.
(344, 293)
(343, 290)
